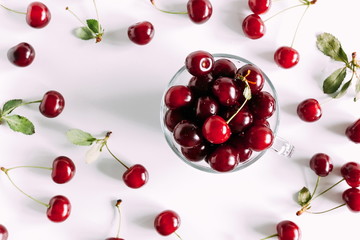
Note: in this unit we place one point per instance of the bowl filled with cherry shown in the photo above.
(219, 113)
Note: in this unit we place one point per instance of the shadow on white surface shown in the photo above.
(111, 168)
(117, 37)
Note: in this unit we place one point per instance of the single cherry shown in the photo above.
(167, 222)
(141, 33)
(187, 134)
(199, 11)
(288, 230)
(21, 55)
(3, 232)
(309, 110)
(259, 6)
(243, 152)
(321, 164)
(199, 63)
(223, 159)
(52, 104)
(259, 138)
(262, 105)
(253, 75)
(201, 85)
(351, 197)
(286, 57)
(253, 26)
(178, 96)
(206, 107)
(136, 176)
(117, 205)
(63, 170)
(197, 153)
(216, 130)
(226, 91)
(224, 68)
(173, 117)
(59, 209)
(353, 132)
(351, 173)
(38, 15)
(241, 121)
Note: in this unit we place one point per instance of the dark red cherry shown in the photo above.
(167, 222)
(226, 91)
(321, 164)
(351, 173)
(353, 132)
(288, 230)
(351, 197)
(178, 96)
(59, 209)
(196, 153)
(206, 107)
(243, 152)
(253, 75)
(38, 15)
(262, 105)
(199, 11)
(224, 68)
(309, 110)
(199, 63)
(259, 138)
(52, 104)
(141, 33)
(187, 134)
(253, 26)
(286, 57)
(201, 85)
(63, 170)
(21, 55)
(3, 232)
(223, 159)
(259, 6)
(136, 176)
(114, 238)
(173, 117)
(261, 122)
(242, 119)
(216, 130)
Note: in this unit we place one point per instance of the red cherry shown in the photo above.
(226, 91)
(38, 15)
(253, 26)
(114, 238)
(196, 153)
(3, 232)
(262, 105)
(241, 121)
(178, 96)
(351, 173)
(173, 117)
(52, 104)
(206, 107)
(353, 132)
(201, 85)
(223, 159)
(259, 6)
(243, 152)
(199, 11)
(59, 209)
(199, 63)
(351, 197)
(136, 176)
(187, 134)
(259, 138)
(21, 55)
(321, 164)
(309, 110)
(254, 76)
(288, 230)
(216, 130)
(141, 33)
(224, 68)
(167, 222)
(286, 57)
(63, 170)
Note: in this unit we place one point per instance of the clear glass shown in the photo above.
(182, 77)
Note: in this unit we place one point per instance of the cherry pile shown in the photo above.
(221, 115)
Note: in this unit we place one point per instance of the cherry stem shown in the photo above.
(271, 236)
(316, 186)
(242, 105)
(327, 210)
(107, 147)
(298, 25)
(164, 11)
(68, 9)
(22, 104)
(328, 189)
(117, 205)
(36, 200)
(11, 10)
(177, 235)
(97, 14)
(46, 168)
(284, 10)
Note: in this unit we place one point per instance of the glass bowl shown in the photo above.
(182, 77)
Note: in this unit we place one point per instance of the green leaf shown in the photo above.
(94, 25)
(79, 137)
(331, 46)
(334, 81)
(84, 33)
(304, 196)
(20, 124)
(343, 89)
(10, 105)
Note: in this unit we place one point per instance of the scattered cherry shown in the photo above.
(21, 55)
(59, 208)
(259, 6)
(3, 232)
(38, 15)
(63, 170)
(351, 197)
(199, 11)
(141, 33)
(52, 104)
(253, 26)
(353, 132)
(199, 63)
(288, 230)
(167, 222)
(259, 138)
(178, 96)
(216, 130)
(321, 164)
(351, 173)
(135, 176)
(309, 110)
(223, 159)
(286, 57)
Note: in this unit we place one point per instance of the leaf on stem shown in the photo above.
(343, 89)
(331, 46)
(79, 137)
(84, 33)
(94, 25)
(304, 196)
(20, 124)
(10, 105)
(334, 81)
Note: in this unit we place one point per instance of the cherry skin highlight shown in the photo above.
(59, 209)
(353, 132)
(21, 55)
(141, 33)
(38, 15)
(63, 170)
(309, 110)
(167, 222)
(199, 63)
(286, 57)
(52, 104)
(136, 176)
(253, 27)
(321, 164)
(199, 11)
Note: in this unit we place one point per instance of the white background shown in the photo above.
(117, 85)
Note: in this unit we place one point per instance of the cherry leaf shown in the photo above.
(331, 46)
(79, 137)
(343, 89)
(304, 196)
(334, 81)
(10, 105)
(20, 124)
(94, 25)
(84, 33)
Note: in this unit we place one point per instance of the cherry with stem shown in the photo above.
(117, 205)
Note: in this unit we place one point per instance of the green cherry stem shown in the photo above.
(22, 104)
(68, 9)
(117, 205)
(113, 155)
(328, 189)
(97, 14)
(164, 11)
(331, 209)
(284, 10)
(271, 236)
(177, 235)
(13, 183)
(316, 186)
(38, 167)
(298, 25)
(11, 10)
